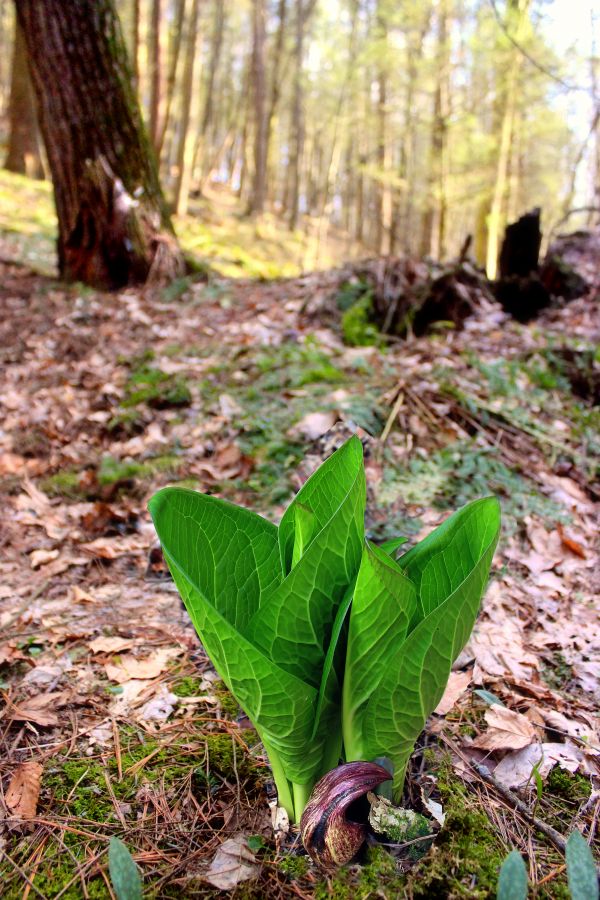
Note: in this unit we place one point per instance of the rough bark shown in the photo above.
(113, 227)
(23, 155)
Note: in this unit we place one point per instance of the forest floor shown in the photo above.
(114, 723)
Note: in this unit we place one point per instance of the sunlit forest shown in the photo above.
(362, 127)
(299, 449)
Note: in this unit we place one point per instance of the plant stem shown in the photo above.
(284, 793)
(302, 793)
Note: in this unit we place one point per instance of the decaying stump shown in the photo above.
(408, 295)
(572, 264)
(520, 289)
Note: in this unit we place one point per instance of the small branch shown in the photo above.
(557, 839)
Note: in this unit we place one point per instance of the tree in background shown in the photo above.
(113, 226)
(368, 126)
(23, 154)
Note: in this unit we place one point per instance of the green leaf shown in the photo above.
(488, 697)
(281, 706)
(222, 559)
(440, 562)
(322, 494)
(390, 547)
(124, 873)
(304, 530)
(229, 553)
(417, 674)
(581, 869)
(294, 623)
(512, 881)
(384, 604)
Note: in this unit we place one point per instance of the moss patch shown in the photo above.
(150, 385)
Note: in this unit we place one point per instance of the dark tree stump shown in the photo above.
(519, 289)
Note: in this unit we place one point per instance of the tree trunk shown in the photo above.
(215, 57)
(23, 154)
(257, 199)
(113, 227)
(174, 48)
(297, 123)
(434, 220)
(518, 10)
(156, 65)
(185, 151)
(384, 191)
(276, 73)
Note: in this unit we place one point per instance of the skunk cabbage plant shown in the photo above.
(334, 649)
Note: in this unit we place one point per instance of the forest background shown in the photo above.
(353, 127)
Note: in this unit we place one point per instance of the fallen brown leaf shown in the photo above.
(23, 790)
(152, 666)
(508, 730)
(110, 644)
(40, 709)
(457, 685)
(232, 863)
(313, 425)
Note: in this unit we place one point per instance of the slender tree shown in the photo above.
(113, 227)
(185, 149)
(259, 184)
(23, 153)
(157, 74)
(517, 20)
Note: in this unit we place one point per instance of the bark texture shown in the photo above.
(113, 226)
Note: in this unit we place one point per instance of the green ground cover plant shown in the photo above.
(333, 648)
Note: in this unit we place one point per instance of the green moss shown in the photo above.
(188, 686)
(225, 757)
(568, 785)
(377, 879)
(357, 328)
(57, 873)
(66, 483)
(294, 866)
(468, 852)
(159, 390)
(113, 471)
(126, 423)
(227, 701)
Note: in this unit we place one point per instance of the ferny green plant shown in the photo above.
(334, 649)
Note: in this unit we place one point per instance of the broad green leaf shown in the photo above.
(294, 623)
(124, 873)
(582, 873)
(229, 553)
(417, 673)
(322, 494)
(304, 530)
(442, 560)
(512, 880)
(281, 706)
(222, 559)
(329, 687)
(383, 605)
